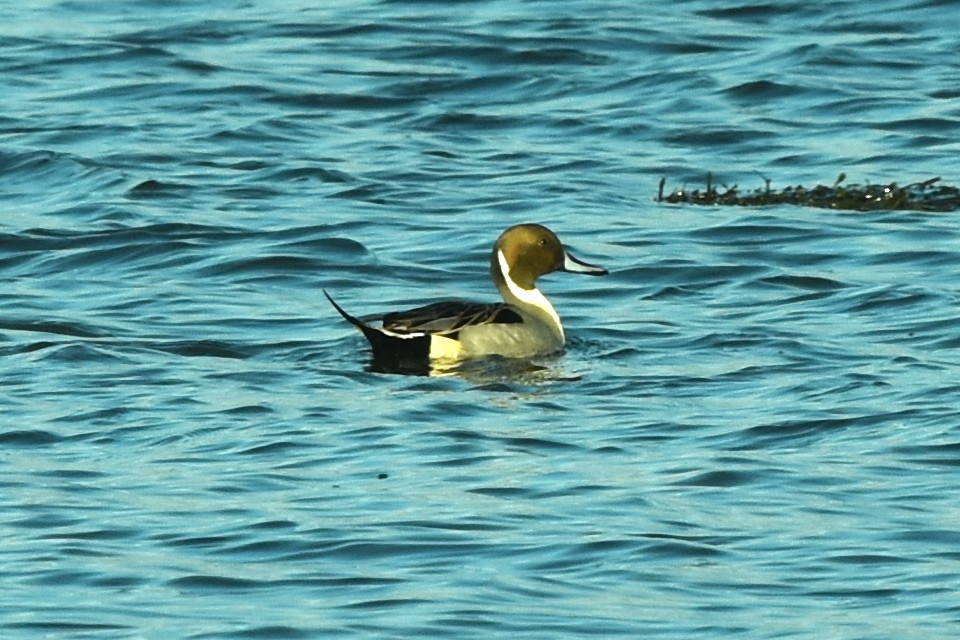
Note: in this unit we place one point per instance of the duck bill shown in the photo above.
(575, 265)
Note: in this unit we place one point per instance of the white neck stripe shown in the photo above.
(532, 297)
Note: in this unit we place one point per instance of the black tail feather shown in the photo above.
(392, 353)
(346, 316)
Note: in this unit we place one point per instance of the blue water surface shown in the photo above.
(754, 431)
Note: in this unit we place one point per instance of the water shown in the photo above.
(753, 433)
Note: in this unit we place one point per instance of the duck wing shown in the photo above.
(447, 318)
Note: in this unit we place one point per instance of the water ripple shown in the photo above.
(751, 432)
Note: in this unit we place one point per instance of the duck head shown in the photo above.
(525, 252)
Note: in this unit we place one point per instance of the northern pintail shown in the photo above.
(525, 324)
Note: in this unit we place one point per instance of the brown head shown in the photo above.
(525, 252)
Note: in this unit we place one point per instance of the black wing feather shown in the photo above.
(447, 318)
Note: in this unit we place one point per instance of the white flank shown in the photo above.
(443, 347)
(532, 297)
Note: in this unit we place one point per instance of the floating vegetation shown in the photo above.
(918, 196)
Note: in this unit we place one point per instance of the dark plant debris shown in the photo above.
(928, 195)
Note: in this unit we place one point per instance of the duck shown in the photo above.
(523, 325)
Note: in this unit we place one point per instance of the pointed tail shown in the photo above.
(346, 316)
(392, 352)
